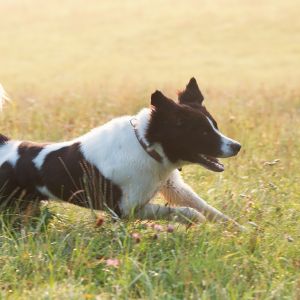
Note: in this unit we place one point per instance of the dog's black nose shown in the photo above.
(236, 147)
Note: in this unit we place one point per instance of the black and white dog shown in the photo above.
(123, 164)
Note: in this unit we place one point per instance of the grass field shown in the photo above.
(71, 65)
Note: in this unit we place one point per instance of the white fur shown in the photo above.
(180, 214)
(176, 191)
(114, 149)
(43, 190)
(9, 152)
(226, 142)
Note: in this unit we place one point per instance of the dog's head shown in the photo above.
(187, 131)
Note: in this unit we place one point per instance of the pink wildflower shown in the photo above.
(136, 237)
(112, 262)
(158, 227)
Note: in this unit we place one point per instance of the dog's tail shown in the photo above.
(3, 98)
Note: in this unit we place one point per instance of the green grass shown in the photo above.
(69, 66)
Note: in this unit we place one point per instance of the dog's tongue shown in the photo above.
(217, 166)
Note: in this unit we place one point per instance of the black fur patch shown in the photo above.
(70, 177)
(12, 194)
(193, 98)
(27, 175)
(18, 184)
(192, 94)
(3, 139)
(65, 173)
(183, 131)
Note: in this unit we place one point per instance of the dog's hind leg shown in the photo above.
(177, 192)
(185, 215)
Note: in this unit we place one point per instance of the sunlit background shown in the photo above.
(71, 65)
(50, 47)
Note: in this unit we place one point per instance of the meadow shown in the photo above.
(69, 66)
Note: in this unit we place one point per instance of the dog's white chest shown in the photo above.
(140, 188)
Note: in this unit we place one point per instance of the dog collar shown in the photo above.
(146, 146)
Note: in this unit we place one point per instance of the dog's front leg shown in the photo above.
(176, 191)
(158, 212)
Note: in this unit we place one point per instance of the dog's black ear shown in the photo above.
(191, 94)
(159, 100)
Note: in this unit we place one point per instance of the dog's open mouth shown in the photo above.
(210, 163)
